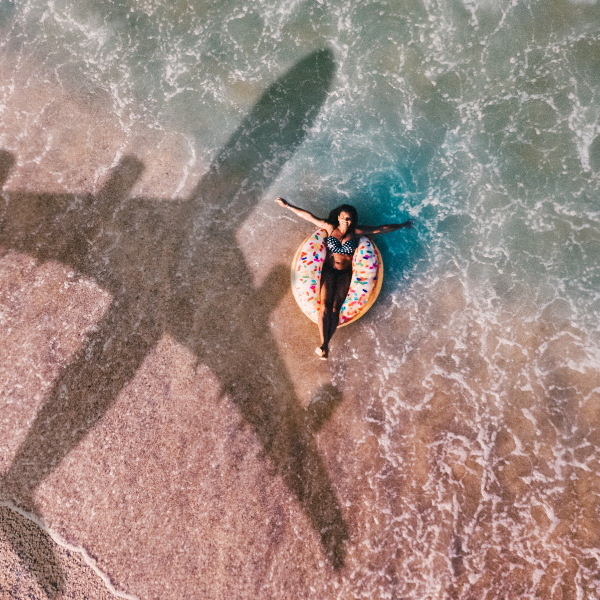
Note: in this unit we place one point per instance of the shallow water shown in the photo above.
(450, 446)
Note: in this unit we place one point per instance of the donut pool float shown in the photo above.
(367, 277)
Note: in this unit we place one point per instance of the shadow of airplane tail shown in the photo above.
(257, 382)
(306, 476)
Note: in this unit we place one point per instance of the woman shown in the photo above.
(343, 233)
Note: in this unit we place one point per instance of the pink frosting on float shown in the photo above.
(307, 276)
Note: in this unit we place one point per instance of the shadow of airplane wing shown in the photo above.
(202, 292)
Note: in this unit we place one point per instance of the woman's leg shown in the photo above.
(342, 285)
(334, 289)
(327, 287)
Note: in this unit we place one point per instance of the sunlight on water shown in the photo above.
(460, 445)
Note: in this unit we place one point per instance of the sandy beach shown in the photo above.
(166, 429)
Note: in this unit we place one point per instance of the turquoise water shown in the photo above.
(435, 109)
(478, 119)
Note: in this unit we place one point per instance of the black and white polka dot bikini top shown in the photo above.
(334, 245)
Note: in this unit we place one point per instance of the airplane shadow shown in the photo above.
(34, 548)
(174, 267)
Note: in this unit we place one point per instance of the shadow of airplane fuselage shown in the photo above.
(174, 267)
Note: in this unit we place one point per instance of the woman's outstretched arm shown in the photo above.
(368, 230)
(303, 214)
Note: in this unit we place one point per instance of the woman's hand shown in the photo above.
(303, 214)
(367, 230)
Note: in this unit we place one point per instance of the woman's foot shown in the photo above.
(322, 352)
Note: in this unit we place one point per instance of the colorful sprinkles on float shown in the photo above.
(367, 276)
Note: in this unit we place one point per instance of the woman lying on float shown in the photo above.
(341, 243)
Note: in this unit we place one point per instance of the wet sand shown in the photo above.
(32, 565)
(174, 496)
(162, 406)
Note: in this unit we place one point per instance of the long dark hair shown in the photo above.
(332, 219)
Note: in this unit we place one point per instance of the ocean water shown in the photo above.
(459, 445)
